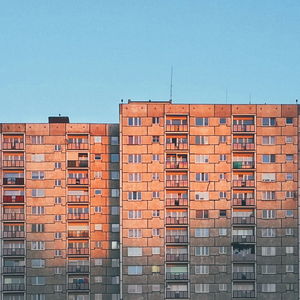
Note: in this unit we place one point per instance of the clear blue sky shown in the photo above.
(79, 58)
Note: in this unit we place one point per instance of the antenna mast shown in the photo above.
(171, 84)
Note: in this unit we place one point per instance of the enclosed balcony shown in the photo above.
(176, 235)
(243, 276)
(77, 195)
(13, 213)
(176, 161)
(78, 230)
(243, 124)
(77, 142)
(243, 216)
(177, 198)
(243, 179)
(176, 217)
(78, 160)
(78, 247)
(13, 160)
(243, 253)
(176, 291)
(177, 179)
(243, 198)
(176, 272)
(78, 177)
(176, 142)
(11, 195)
(13, 177)
(177, 254)
(243, 235)
(243, 290)
(177, 123)
(243, 294)
(243, 142)
(13, 230)
(13, 283)
(78, 266)
(78, 212)
(78, 282)
(13, 248)
(243, 161)
(13, 266)
(13, 142)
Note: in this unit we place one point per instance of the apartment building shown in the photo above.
(209, 204)
(175, 202)
(59, 211)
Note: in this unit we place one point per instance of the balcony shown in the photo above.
(78, 181)
(13, 163)
(177, 276)
(177, 183)
(243, 165)
(78, 146)
(176, 257)
(13, 234)
(78, 163)
(243, 276)
(78, 269)
(13, 217)
(78, 251)
(176, 164)
(243, 220)
(78, 286)
(243, 201)
(177, 202)
(176, 220)
(78, 198)
(13, 287)
(241, 257)
(13, 145)
(15, 269)
(176, 239)
(243, 128)
(244, 146)
(243, 183)
(78, 216)
(176, 128)
(13, 251)
(243, 294)
(78, 233)
(177, 146)
(13, 199)
(177, 295)
(243, 239)
(13, 181)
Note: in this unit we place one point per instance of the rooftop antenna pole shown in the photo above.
(250, 98)
(171, 85)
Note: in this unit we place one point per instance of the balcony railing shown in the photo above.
(243, 257)
(176, 239)
(78, 269)
(244, 202)
(78, 163)
(177, 295)
(78, 286)
(13, 199)
(78, 251)
(78, 233)
(243, 275)
(177, 220)
(176, 164)
(13, 234)
(78, 181)
(176, 257)
(176, 276)
(77, 146)
(16, 269)
(13, 146)
(13, 287)
(78, 198)
(13, 163)
(13, 217)
(177, 128)
(243, 165)
(79, 216)
(13, 181)
(243, 183)
(177, 183)
(177, 146)
(243, 220)
(177, 201)
(243, 294)
(243, 238)
(244, 146)
(243, 128)
(13, 251)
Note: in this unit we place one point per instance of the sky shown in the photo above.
(80, 58)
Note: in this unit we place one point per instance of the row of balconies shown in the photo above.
(176, 220)
(176, 238)
(13, 217)
(13, 163)
(21, 286)
(177, 294)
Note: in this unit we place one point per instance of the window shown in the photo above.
(289, 121)
(289, 139)
(115, 227)
(98, 192)
(97, 139)
(57, 200)
(155, 120)
(57, 182)
(134, 251)
(134, 177)
(222, 250)
(37, 139)
(135, 270)
(155, 194)
(114, 140)
(155, 250)
(38, 157)
(202, 195)
(268, 287)
(268, 158)
(134, 158)
(57, 147)
(134, 140)
(57, 165)
(222, 139)
(268, 177)
(115, 210)
(290, 194)
(134, 196)
(114, 158)
(58, 270)
(155, 157)
(268, 214)
(268, 251)
(57, 235)
(115, 245)
(98, 157)
(268, 122)
(289, 268)
(37, 263)
(115, 262)
(222, 194)
(201, 288)
(289, 176)
(268, 232)
(155, 139)
(289, 157)
(155, 288)
(58, 218)
(38, 280)
(37, 210)
(201, 140)
(37, 227)
(134, 214)
(58, 288)
(155, 269)
(289, 213)
(200, 159)
(289, 231)
(98, 227)
(289, 287)
(202, 214)
(134, 121)
(97, 174)
(202, 121)
(222, 287)
(222, 157)
(201, 269)
(268, 195)
(134, 233)
(115, 280)
(202, 232)
(38, 245)
(202, 177)
(37, 193)
(201, 251)
(268, 140)
(155, 176)
(268, 269)
(222, 269)
(155, 213)
(98, 262)
(222, 231)
(35, 297)
(114, 175)
(222, 121)
(57, 253)
(155, 232)
(289, 250)
(135, 289)
(98, 279)
(223, 213)
(114, 192)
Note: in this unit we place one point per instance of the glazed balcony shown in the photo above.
(78, 181)
(243, 146)
(78, 198)
(176, 220)
(13, 217)
(177, 146)
(243, 238)
(13, 199)
(177, 123)
(244, 220)
(243, 276)
(13, 181)
(78, 164)
(78, 216)
(243, 183)
(177, 202)
(177, 295)
(13, 287)
(78, 251)
(77, 142)
(177, 276)
(78, 286)
(14, 234)
(176, 164)
(177, 257)
(78, 268)
(243, 294)
(14, 269)
(244, 127)
(13, 163)
(78, 233)
(241, 257)
(13, 251)
(177, 127)
(237, 165)
(177, 183)
(243, 201)
(13, 145)
(176, 239)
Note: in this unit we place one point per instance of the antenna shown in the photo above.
(250, 98)
(171, 84)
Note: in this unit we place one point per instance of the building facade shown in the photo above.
(175, 202)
